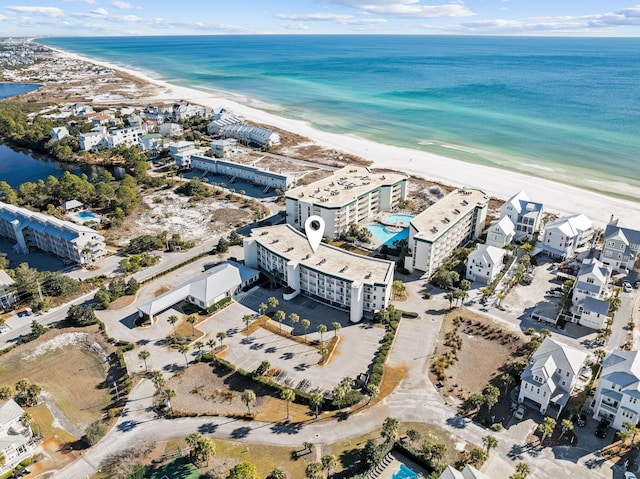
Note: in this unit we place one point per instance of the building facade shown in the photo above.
(550, 377)
(620, 247)
(8, 294)
(16, 439)
(448, 224)
(526, 215)
(350, 195)
(563, 236)
(590, 292)
(484, 263)
(618, 393)
(75, 243)
(331, 275)
(253, 134)
(501, 233)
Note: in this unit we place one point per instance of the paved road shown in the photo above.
(415, 400)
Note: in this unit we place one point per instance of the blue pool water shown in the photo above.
(404, 472)
(392, 219)
(87, 216)
(384, 236)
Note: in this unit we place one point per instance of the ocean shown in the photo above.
(566, 109)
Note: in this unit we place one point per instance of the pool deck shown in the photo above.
(396, 462)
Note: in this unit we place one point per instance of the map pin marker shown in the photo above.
(314, 229)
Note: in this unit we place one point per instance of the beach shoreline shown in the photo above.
(500, 183)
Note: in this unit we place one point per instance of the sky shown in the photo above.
(37, 18)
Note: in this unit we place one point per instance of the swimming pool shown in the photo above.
(385, 236)
(404, 472)
(87, 216)
(398, 218)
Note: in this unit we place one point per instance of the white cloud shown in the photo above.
(45, 11)
(330, 17)
(100, 11)
(90, 2)
(295, 26)
(407, 8)
(121, 5)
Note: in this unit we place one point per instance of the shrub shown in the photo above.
(95, 432)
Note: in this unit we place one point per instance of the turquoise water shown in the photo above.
(87, 216)
(404, 472)
(567, 109)
(399, 218)
(384, 236)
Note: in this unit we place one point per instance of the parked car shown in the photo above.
(519, 414)
(627, 286)
(603, 428)
(629, 475)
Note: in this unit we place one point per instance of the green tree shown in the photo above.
(244, 470)
(5, 393)
(287, 395)
(315, 401)
(95, 432)
(489, 442)
(211, 343)
(507, 380)
(566, 425)
(221, 336)
(277, 473)
(273, 302)
(475, 400)
(32, 394)
(279, 316)
(173, 319)
(144, 355)
(477, 455)
(202, 448)
(434, 452)
(390, 428)
(167, 395)
(491, 396)
(248, 397)
(262, 308)
(322, 329)
(184, 349)
(371, 454)
(81, 315)
(546, 428)
(247, 320)
(191, 319)
(314, 470)
(305, 325)
(102, 298)
(293, 319)
(336, 326)
(523, 469)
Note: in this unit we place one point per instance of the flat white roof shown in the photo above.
(439, 217)
(291, 244)
(343, 186)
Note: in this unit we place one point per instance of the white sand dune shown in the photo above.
(556, 197)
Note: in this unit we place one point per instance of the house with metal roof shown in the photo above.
(484, 263)
(620, 247)
(469, 472)
(617, 396)
(563, 236)
(549, 379)
(589, 303)
(501, 232)
(525, 214)
(16, 440)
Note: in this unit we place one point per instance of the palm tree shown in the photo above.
(477, 455)
(322, 329)
(198, 345)
(293, 319)
(315, 401)
(523, 469)
(279, 316)
(248, 397)
(167, 395)
(192, 321)
(173, 319)
(329, 462)
(336, 326)
(566, 425)
(323, 352)
(221, 336)
(277, 473)
(489, 442)
(143, 355)
(157, 379)
(390, 430)
(273, 302)
(211, 343)
(247, 319)
(633, 430)
(491, 396)
(287, 395)
(184, 349)
(507, 380)
(26, 419)
(546, 428)
(262, 308)
(305, 325)
(623, 436)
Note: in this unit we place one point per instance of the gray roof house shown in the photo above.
(620, 247)
(16, 440)
(469, 472)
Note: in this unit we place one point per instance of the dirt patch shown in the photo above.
(468, 338)
(122, 302)
(211, 390)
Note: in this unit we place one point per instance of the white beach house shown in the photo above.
(589, 294)
(563, 236)
(501, 232)
(620, 247)
(484, 263)
(525, 214)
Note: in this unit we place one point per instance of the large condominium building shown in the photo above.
(349, 195)
(70, 241)
(345, 280)
(252, 174)
(450, 223)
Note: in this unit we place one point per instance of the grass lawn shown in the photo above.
(180, 468)
(72, 375)
(264, 457)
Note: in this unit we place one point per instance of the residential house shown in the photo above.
(589, 305)
(224, 148)
(8, 294)
(92, 140)
(152, 143)
(206, 289)
(445, 226)
(549, 379)
(252, 134)
(350, 195)
(620, 247)
(525, 214)
(16, 439)
(123, 137)
(170, 130)
(469, 472)
(348, 281)
(501, 233)
(72, 205)
(59, 132)
(484, 263)
(79, 109)
(617, 396)
(563, 236)
(221, 119)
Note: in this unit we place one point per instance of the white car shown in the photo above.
(627, 287)
(519, 414)
(629, 475)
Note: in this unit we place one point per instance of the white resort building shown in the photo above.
(563, 236)
(620, 248)
(16, 440)
(549, 379)
(76, 243)
(526, 215)
(618, 393)
(448, 224)
(253, 134)
(345, 280)
(350, 195)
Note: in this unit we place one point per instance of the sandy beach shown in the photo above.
(556, 197)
